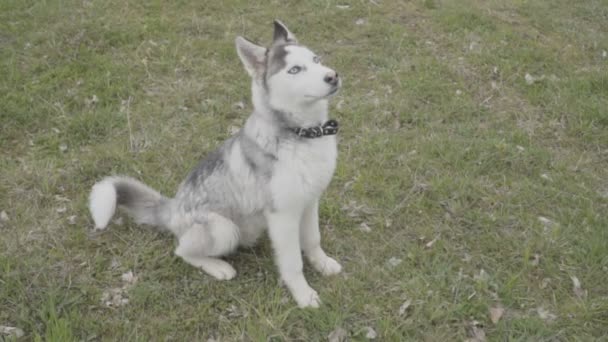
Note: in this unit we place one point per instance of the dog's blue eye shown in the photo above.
(316, 59)
(294, 70)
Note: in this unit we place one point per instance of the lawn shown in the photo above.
(470, 199)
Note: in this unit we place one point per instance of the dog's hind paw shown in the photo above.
(217, 268)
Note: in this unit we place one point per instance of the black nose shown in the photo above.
(331, 78)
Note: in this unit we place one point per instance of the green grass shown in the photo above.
(441, 138)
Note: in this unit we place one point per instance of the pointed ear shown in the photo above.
(282, 34)
(253, 56)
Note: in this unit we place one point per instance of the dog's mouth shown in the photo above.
(331, 92)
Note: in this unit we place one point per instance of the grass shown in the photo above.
(443, 140)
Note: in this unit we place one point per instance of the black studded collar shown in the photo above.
(330, 127)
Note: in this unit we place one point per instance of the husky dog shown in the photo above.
(270, 174)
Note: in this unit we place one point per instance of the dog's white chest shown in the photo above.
(303, 171)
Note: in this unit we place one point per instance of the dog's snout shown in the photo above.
(331, 78)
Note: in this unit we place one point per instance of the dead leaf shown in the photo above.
(239, 105)
(576, 287)
(72, 220)
(536, 259)
(545, 315)
(393, 261)
(496, 313)
(544, 283)
(338, 335)
(482, 276)
(233, 130)
(360, 21)
(128, 278)
(3, 216)
(476, 332)
(370, 333)
(114, 297)
(430, 244)
(403, 308)
(479, 335)
(11, 331)
(365, 228)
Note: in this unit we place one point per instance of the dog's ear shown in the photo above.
(282, 35)
(253, 56)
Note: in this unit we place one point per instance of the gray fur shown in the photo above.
(276, 59)
(146, 205)
(266, 176)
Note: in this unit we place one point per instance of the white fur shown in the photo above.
(231, 205)
(303, 169)
(102, 203)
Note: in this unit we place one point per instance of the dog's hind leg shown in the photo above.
(203, 242)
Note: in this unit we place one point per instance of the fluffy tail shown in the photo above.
(144, 204)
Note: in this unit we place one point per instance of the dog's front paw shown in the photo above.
(307, 298)
(328, 266)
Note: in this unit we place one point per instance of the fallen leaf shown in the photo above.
(342, 7)
(479, 335)
(72, 219)
(545, 315)
(128, 278)
(576, 287)
(63, 147)
(61, 210)
(370, 333)
(360, 21)
(11, 331)
(114, 297)
(535, 260)
(544, 283)
(338, 335)
(239, 105)
(364, 228)
(233, 130)
(3, 216)
(393, 261)
(431, 243)
(403, 308)
(545, 221)
(476, 332)
(482, 276)
(235, 312)
(496, 313)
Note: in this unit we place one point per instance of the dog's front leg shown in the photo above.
(284, 231)
(310, 238)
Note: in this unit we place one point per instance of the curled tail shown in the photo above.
(144, 204)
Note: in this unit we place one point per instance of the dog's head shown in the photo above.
(291, 74)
